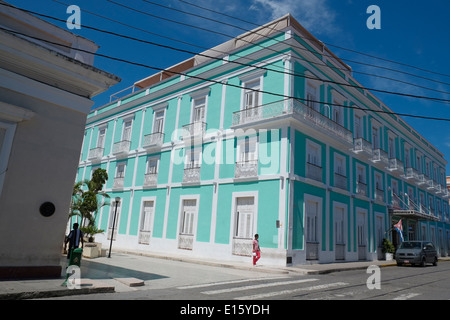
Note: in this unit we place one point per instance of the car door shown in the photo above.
(429, 252)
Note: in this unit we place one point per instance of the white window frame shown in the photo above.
(127, 130)
(244, 145)
(247, 83)
(234, 216)
(149, 161)
(101, 143)
(342, 170)
(193, 224)
(311, 148)
(121, 164)
(197, 162)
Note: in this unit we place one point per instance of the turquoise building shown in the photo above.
(268, 133)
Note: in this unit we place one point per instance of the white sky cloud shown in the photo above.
(315, 15)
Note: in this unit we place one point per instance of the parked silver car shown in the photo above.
(416, 252)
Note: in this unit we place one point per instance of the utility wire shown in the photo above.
(434, 99)
(243, 57)
(298, 75)
(216, 81)
(305, 49)
(328, 44)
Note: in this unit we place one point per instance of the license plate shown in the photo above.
(406, 261)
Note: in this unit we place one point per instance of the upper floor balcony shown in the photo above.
(396, 166)
(380, 156)
(121, 148)
(191, 174)
(153, 141)
(246, 169)
(150, 180)
(95, 154)
(193, 131)
(295, 109)
(363, 147)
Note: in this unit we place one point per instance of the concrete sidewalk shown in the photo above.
(101, 276)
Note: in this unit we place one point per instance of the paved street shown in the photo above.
(177, 280)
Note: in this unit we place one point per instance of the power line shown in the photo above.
(222, 52)
(305, 49)
(434, 99)
(298, 75)
(219, 82)
(327, 43)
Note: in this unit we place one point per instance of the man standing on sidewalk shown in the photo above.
(74, 238)
(256, 250)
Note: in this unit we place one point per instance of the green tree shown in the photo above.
(87, 199)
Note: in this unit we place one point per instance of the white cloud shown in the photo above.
(315, 15)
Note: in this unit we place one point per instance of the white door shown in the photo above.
(339, 234)
(243, 227)
(312, 243)
(145, 231)
(361, 234)
(186, 236)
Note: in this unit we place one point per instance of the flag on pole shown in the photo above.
(399, 228)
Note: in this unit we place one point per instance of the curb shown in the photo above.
(54, 293)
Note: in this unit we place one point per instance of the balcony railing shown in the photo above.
(340, 181)
(361, 188)
(118, 183)
(362, 146)
(379, 195)
(313, 171)
(191, 174)
(246, 169)
(395, 165)
(95, 154)
(380, 156)
(194, 129)
(153, 140)
(150, 180)
(121, 148)
(296, 109)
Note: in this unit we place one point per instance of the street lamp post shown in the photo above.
(114, 223)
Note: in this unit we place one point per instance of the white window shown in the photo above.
(114, 215)
(244, 217)
(126, 131)
(158, 125)
(339, 165)
(313, 154)
(378, 181)
(375, 138)
(247, 149)
(407, 157)
(152, 166)
(311, 96)
(101, 138)
(120, 170)
(391, 148)
(146, 225)
(361, 173)
(199, 109)
(252, 94)
(193, 157)
(358, 126)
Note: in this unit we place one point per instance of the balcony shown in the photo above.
(194, 131)
(313, 171)
(95, 154)
(246, 169)
(150, 180)
(295, 109)
(153, 141)
(361, 188)
(118, 183)
(380, 156)
(191, 175)
(396, 166)
(363, 147)
(379, 195)
(340, 181)
(121, 148)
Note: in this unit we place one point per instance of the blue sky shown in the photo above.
(415, 33)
